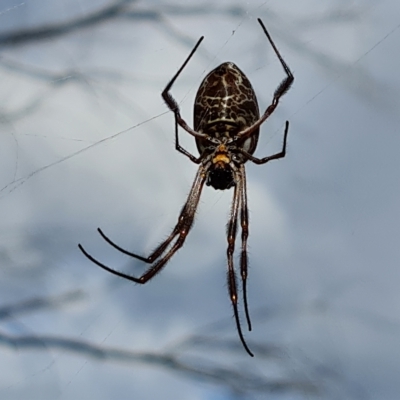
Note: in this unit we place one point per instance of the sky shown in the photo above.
(87, 142)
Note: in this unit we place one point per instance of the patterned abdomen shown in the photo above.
(226, 104)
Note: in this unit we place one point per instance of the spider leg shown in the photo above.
(181, 230)
(174, 107)
(152, 257)
(282, 88)
(93, 260)
(276, 156)
(244, 221)
(232, 283)
(178, 147)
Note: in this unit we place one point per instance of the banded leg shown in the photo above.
(244, 221)
(232, 281)
(181, 230)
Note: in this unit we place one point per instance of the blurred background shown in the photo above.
(87, 142)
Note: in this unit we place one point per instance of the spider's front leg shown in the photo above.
(282, 88)
(174, 107)
(181, 230)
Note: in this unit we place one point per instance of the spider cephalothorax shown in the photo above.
(220, 169)
(226, 129)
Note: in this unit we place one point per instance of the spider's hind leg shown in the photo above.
(181, 230)
(232, 281)
(244, 222)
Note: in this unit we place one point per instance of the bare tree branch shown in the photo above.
(39, 303)
(23, 37)
(238, 380)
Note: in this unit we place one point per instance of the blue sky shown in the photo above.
(87, 142)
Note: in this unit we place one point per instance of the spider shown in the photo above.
(226, 130)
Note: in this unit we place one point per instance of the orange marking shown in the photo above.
(221, 158)
(222, 148)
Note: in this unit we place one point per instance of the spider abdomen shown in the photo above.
(226, 104)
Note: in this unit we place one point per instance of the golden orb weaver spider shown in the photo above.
(226, 129)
